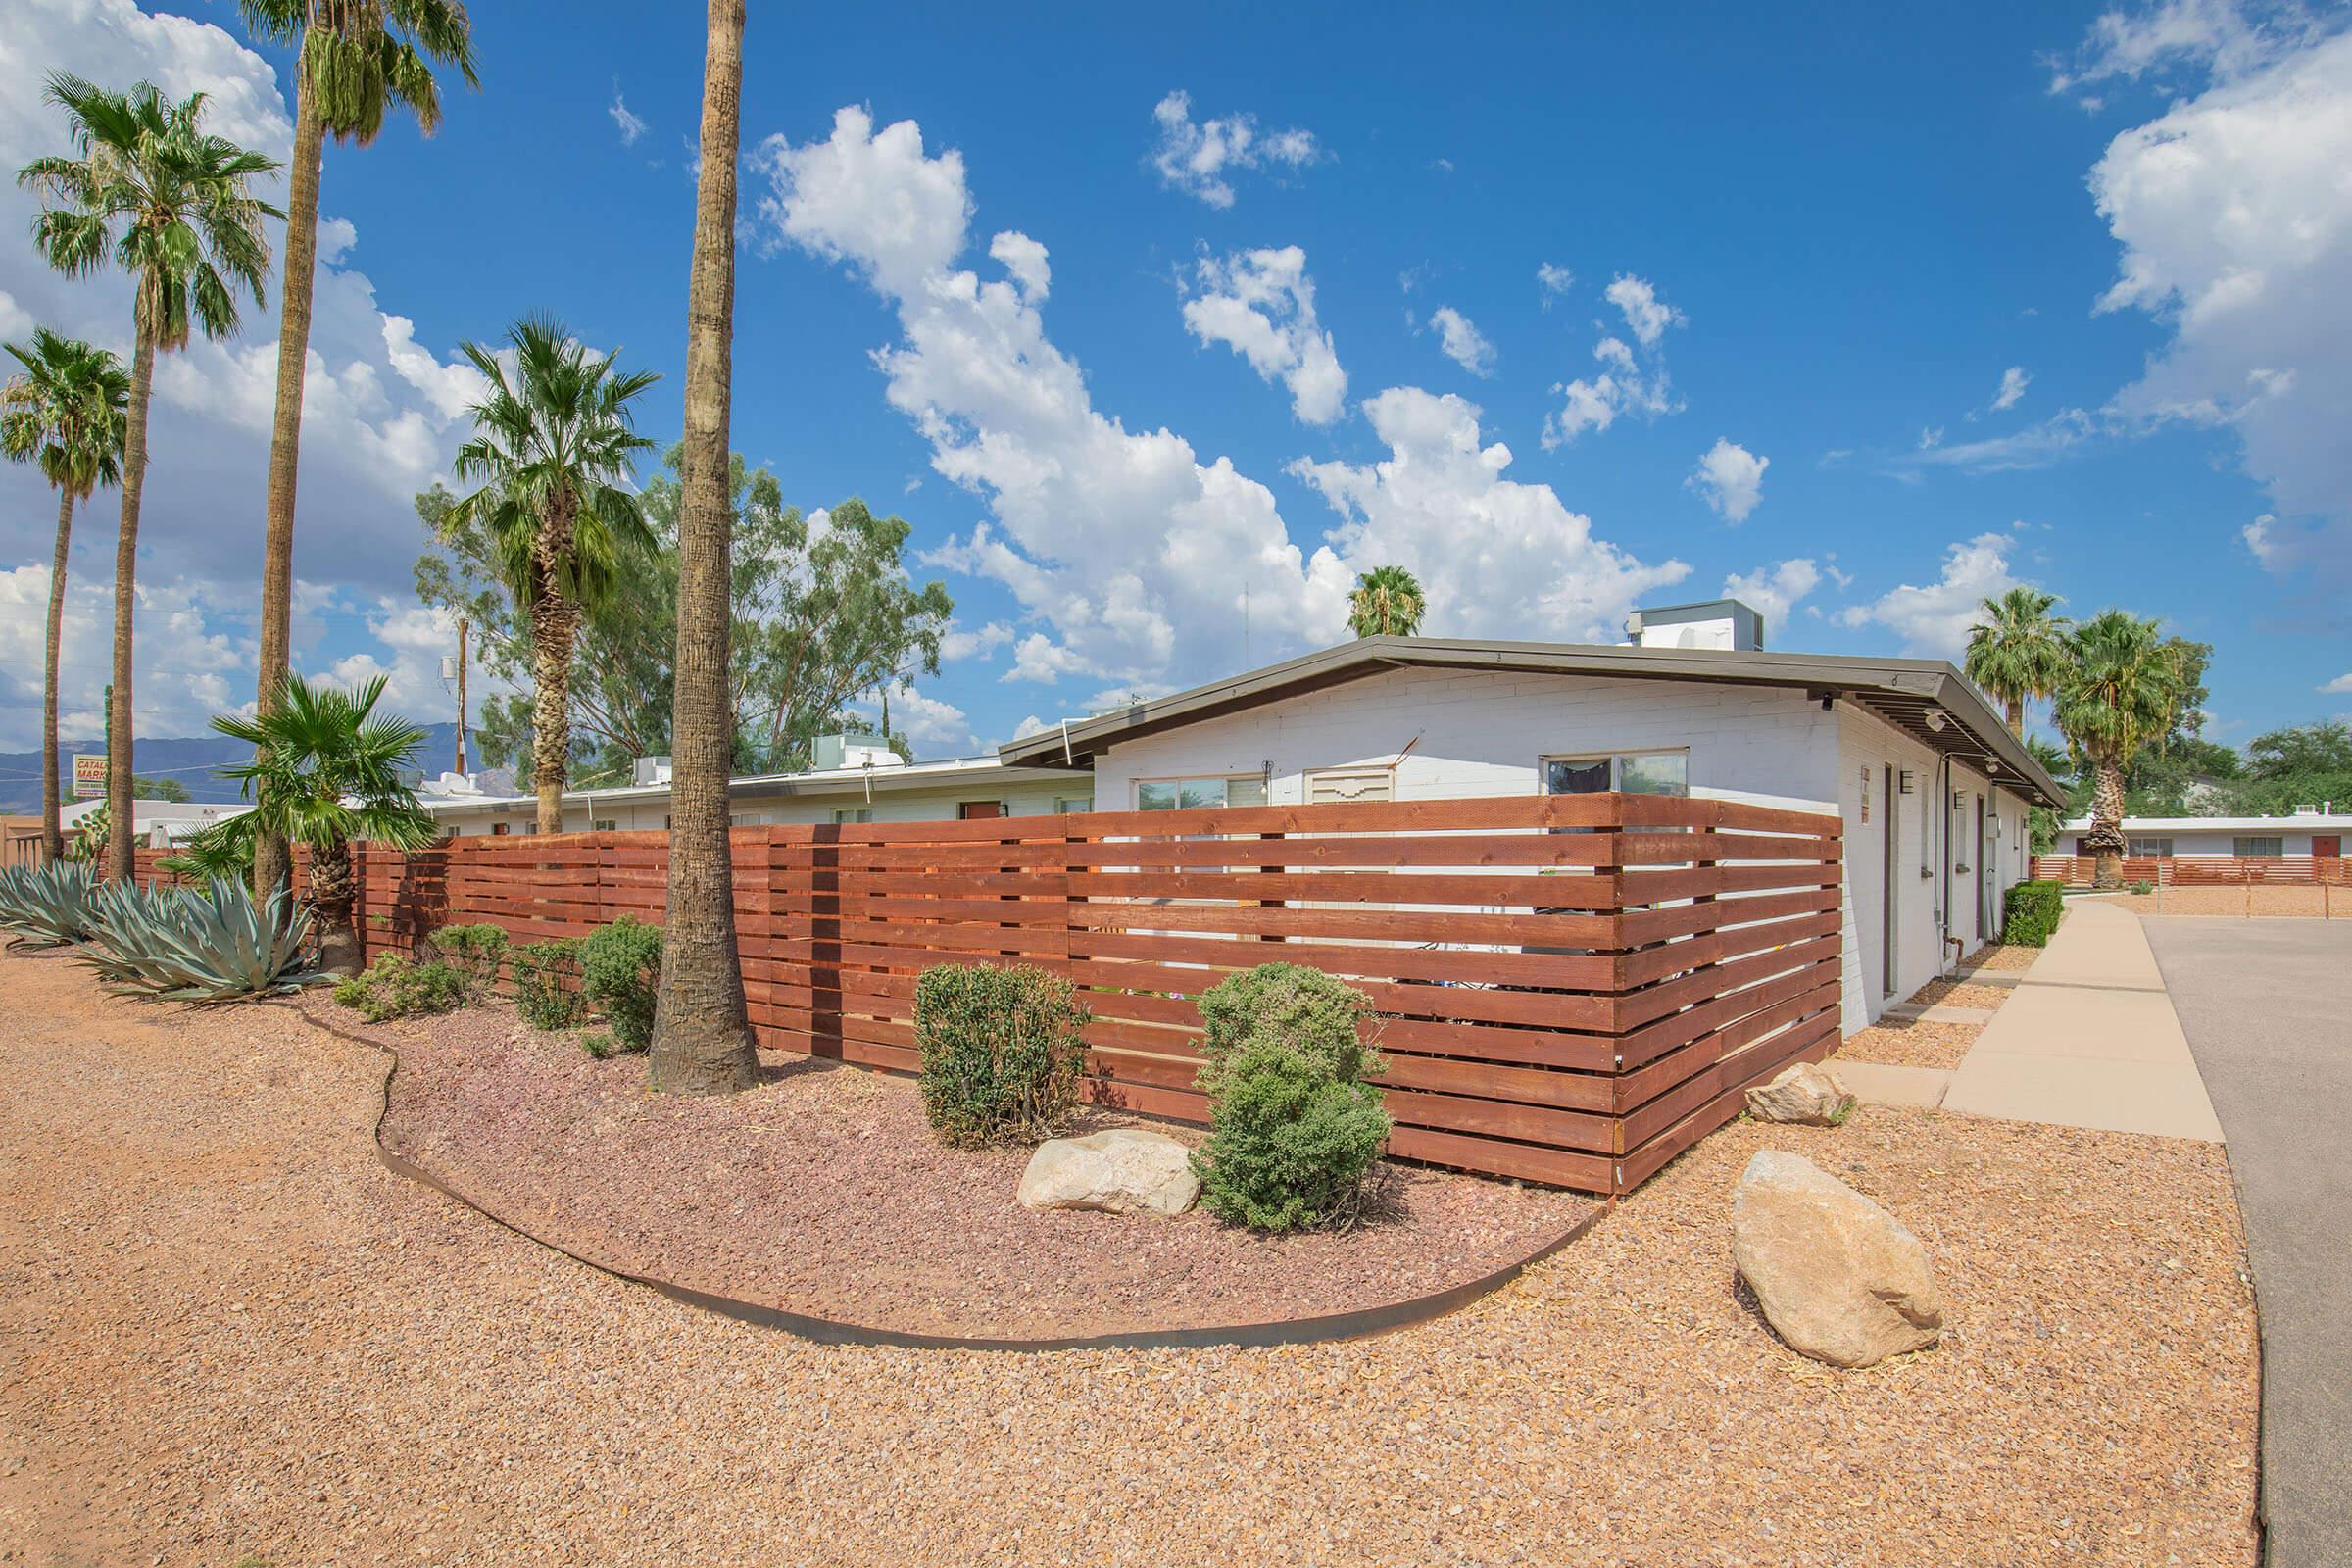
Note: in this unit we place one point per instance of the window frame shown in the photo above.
(1136, 787)
(2239, 841)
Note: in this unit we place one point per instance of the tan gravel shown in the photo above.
(1912, 1044)
(1956, 993)
(225, 1328)
(2004, 956)
(2273, 903)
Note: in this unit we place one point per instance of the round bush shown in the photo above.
(621, 974)
(1001, 1053)
(1293, 1126)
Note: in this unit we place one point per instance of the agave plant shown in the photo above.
(181, 944)
(48, 905)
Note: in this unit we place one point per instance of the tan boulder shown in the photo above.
(1126, 1170)
(1804, 1094)
(1838, 1275)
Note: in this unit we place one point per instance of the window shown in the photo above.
(2257, 845)
(499, 829)
(2137, 845)
(1198, 794)
(746, 820)
(1631, 773)
(607, 824)
(852, 814)
(1072, 805)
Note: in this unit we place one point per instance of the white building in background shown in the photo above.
(2309, 830)
(864, 782)
(160, 824)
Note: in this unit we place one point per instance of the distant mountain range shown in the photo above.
(191, 759)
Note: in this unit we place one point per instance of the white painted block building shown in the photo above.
(1932, 790)
(2310, 830)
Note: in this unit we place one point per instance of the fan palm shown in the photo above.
(2121, 689)
(64, 414)
(2017, 651)
(326, 769)
(553, 443)
(702, 1042)
(150, 192)
(356, 59)
(1387, 603)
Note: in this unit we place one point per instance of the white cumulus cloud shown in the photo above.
(1261, 305)
(630, 125)
(1198, 156)
(1775, 590)
(1933, 619)
(2014, 381)
(1731, 478)
(1553, 280)
(1461, 340)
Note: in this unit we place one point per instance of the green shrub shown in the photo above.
(397, 986)
(598, 1044)
(621, 973)
(1001, 1056)
(1293, 1128)
(2030, 912)
(547, 983)
(2143, 886)
(476, 952)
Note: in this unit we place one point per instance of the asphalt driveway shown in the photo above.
(2264, 1005)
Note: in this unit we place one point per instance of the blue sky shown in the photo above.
(1134, 322)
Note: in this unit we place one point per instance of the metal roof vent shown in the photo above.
(1713, 625)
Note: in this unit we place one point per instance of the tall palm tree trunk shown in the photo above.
(702, 1041)
(122, 839)
(2106, 836)
(53, 838)
(270, 861)
(2016, 717)
(554, 625)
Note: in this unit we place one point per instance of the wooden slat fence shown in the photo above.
(2204, 870)
(1572, 988)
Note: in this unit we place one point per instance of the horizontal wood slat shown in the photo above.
(1570, 989)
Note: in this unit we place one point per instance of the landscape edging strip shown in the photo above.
(1358, 1323)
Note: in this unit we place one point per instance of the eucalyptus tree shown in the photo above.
(702, 1041)
(2122, 688)
(554, 444)
(64, 413)
(355, 60)
(2017, 651)
(146, 189)
(326, 770)
(1387, 603)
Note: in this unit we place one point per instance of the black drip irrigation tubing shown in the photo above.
(1330, 1326)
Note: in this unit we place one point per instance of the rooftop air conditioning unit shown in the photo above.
(649, 771)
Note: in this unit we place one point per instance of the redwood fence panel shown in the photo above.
(1572, 988)
(2204, 870)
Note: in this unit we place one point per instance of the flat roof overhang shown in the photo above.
(1902, 692)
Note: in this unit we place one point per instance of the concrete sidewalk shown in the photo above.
(2088, 1039)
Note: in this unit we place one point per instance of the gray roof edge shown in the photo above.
(1930, 678)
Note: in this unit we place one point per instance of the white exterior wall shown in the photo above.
(1931, 849)
(2201, 843)
(1473, 733)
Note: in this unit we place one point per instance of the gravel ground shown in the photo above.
(2307, 904)
(1954, 993)
(823, 1191)
(1912, 1044)
(2002, 955)
(225, 1329)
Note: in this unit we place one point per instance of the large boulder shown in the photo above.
(1837, 1276)
(1805, 1095)
(1126, 1170)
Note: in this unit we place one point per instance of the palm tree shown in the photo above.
(2017, 651)
(174, 209)
(326, 769)
(1387, 603)
(65, 414)
(551, 445)
(2121, 689)
(702, 1041)
(356, 59)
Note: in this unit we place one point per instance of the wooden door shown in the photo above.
(980, 810)
(2329, 845)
